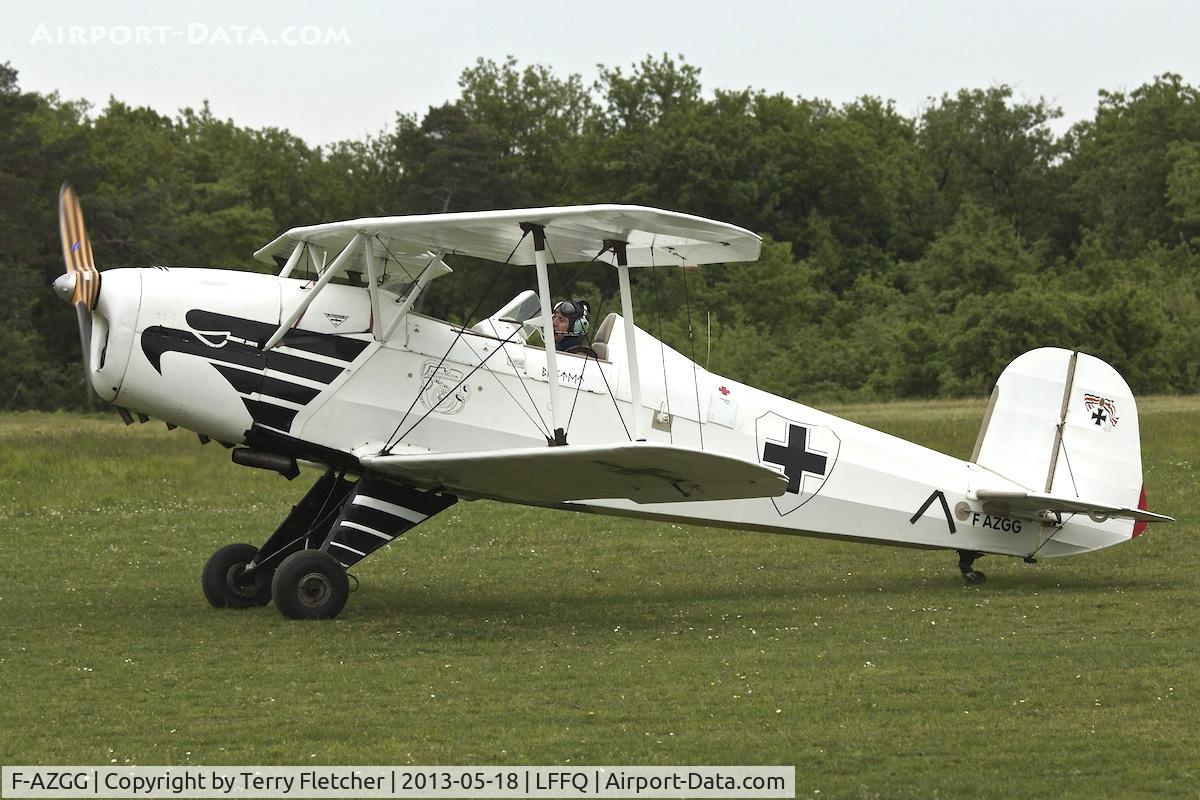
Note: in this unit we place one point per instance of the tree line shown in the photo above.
(903, 256)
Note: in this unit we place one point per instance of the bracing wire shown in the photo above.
(687, 303)
(1059, 527)
(616, 407)
(662, 348)
(578, 389)
(465, 378)
(542, 428)
(458, 335)
(528, 394)
(600, 305)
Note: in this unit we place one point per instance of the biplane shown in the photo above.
(332, 366)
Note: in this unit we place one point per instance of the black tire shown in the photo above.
(974, 577)
(224, 581)
(310, 584)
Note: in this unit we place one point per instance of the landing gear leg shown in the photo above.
(240, 575)
(966, 565)
(310, 584)
(336, 525)
(228, 584)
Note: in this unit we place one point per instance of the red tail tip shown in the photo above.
(1139, 526)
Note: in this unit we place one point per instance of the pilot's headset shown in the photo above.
(576, 312)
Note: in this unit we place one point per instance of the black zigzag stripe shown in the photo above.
(426, 503)
(360, 540)
(257, 383)
(272, 416)
(302, 367)
(323, 344)
(158, 340)
(378, 488)
(381, 521)
(242, 381)
(247, 329)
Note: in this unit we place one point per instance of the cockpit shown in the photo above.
(521, 319)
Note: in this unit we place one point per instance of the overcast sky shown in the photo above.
(332, 71)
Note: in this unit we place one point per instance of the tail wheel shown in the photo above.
(310, 584)
(226, 582)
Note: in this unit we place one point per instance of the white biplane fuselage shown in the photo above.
(350, 378)
(849, 481)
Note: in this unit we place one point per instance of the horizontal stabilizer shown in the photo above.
(644, 473)
(1031, 504)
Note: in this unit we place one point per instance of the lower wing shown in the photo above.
(644, 473)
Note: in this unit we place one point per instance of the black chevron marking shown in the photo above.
(370, 485)
(158, 340)
(247, 329)
(381, 521)
(243, 364)
(286, 390)
(272, 416)
(360, 540)
(257, 383)
(426, 503)
(322, 344)
(241, 380)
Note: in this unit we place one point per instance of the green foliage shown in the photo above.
(1121, 163)
(903, 257)
(980, 145)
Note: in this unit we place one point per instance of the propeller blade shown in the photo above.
(85, 337)
(80, 286)
(77, 249)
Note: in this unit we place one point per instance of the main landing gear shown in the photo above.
(310, 584)
(226, 582)
(302, 566)
(966, 565)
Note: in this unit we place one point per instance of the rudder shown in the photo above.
(1097, 456)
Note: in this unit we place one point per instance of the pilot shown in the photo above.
(570, 326)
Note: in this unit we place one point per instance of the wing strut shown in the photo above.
(415, 292)
(298, 312)
(543, 280)
(373, 289)
(635, 382)
(293, 259)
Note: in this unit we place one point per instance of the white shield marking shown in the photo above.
(803, 452)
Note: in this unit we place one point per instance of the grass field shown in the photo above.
(504, 635)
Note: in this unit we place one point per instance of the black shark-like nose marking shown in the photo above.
(232, 345)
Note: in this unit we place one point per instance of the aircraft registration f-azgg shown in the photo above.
(406, 414)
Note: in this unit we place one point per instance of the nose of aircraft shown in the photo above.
(64, 286)
(106, 332)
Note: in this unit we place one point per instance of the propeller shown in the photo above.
(80, 284)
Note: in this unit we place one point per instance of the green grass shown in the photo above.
(505, 635)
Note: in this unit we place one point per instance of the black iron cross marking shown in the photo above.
(796, 459)
(1099, 416)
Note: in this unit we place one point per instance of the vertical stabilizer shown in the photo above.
(1064, 423)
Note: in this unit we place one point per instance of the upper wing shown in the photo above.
(644, 473)
(396, 265)
(573, 234)
(1031, 503)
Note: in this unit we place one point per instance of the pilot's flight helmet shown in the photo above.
(576, 312)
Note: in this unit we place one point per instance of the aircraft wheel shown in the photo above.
(226, 584)
(310, 584)
(974, 577)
